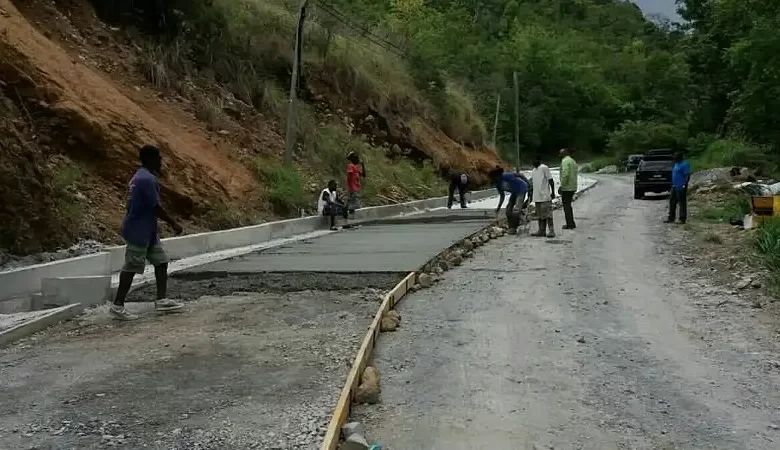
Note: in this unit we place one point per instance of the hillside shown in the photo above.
(80, 94)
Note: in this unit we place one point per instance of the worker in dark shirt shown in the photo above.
(458, 181)
(517, 186)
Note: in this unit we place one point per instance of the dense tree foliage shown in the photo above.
(585, 67)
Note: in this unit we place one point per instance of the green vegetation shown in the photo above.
(725, 208)
(768, 245)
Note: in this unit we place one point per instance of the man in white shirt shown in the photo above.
(328, 204)
(543, 195)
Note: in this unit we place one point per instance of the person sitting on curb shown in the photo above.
(517, 186)
(329, 204)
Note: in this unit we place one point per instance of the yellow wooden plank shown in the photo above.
(341, 413)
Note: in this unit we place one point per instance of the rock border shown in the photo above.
(451, 257)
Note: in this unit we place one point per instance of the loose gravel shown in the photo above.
(250, 370)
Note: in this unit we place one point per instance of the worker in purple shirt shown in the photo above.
(681, 175)
(517, 186)
(139, 229)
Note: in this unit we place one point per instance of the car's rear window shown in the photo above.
(656, 165)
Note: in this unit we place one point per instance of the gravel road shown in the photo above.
(604, 338)
(237, 371)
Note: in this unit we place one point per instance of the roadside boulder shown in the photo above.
(456, 260)
(468, 245)
(369, 389)
(390, 321)
(608, 170)
(425, 280)
(354, 437)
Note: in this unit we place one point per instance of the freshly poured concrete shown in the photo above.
(374, 248)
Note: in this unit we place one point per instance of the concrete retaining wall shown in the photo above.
(25, 281)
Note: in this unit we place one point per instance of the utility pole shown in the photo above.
(495, 123)
(292, 112)
(517, 119)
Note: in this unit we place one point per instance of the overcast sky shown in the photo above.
(665, 7)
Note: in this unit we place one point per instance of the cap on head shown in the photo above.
(353, 157)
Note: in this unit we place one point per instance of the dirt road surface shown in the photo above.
(251, 370)
(604, 338)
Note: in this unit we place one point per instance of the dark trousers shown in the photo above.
(512, 219)
(461, 188)
(567, 197)
(335, 209)
(678, 196)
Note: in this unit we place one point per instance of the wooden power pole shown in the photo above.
(495, 123)
(517, 119)
(292, 112)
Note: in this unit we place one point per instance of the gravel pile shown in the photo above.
(87, 247)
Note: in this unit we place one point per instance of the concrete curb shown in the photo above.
(39, 323)
(25, 281)
(344, 405)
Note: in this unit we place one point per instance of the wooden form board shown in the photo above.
(341, 413)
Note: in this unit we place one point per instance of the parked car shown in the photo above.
(654, 174)
(632, 162)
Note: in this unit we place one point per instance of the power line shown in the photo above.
(365, 33)
(357, 42)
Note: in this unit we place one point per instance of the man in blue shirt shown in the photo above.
(517, 187)
(681, 175)
(139, 229)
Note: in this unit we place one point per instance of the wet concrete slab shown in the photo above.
(377, 248)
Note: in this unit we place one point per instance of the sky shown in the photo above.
(665, 7)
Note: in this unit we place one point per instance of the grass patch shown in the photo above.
(210, 110)
(286, 190)
(767, 242)
(604, 161)
(221, 217)
(725, 208)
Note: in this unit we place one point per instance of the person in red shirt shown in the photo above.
(356, 171)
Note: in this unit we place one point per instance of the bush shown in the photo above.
(639, 136)
(732, 152)
(768, 243)
(286, 190)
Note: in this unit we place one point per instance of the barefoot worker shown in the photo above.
(139, 229)
(517, 186)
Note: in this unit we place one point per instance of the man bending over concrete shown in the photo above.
(459, 182)
(329, 204)
(517, 187)
(139, 229)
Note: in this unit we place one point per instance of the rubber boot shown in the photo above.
(542, 226)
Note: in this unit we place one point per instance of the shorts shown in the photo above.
(544, 210)
(136, 256)
(353, 202)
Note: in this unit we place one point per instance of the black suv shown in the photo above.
(632, 162)
(654, 173)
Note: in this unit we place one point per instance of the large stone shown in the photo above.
(444, 265)
(608, 170)
(369, 389)
(456, 260)
(468, 245)
(425, 280)
(354, 437)
(89, 290)
(390, 321)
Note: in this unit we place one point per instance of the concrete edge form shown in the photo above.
(26, 281)
(39, 323)
(344, 404)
